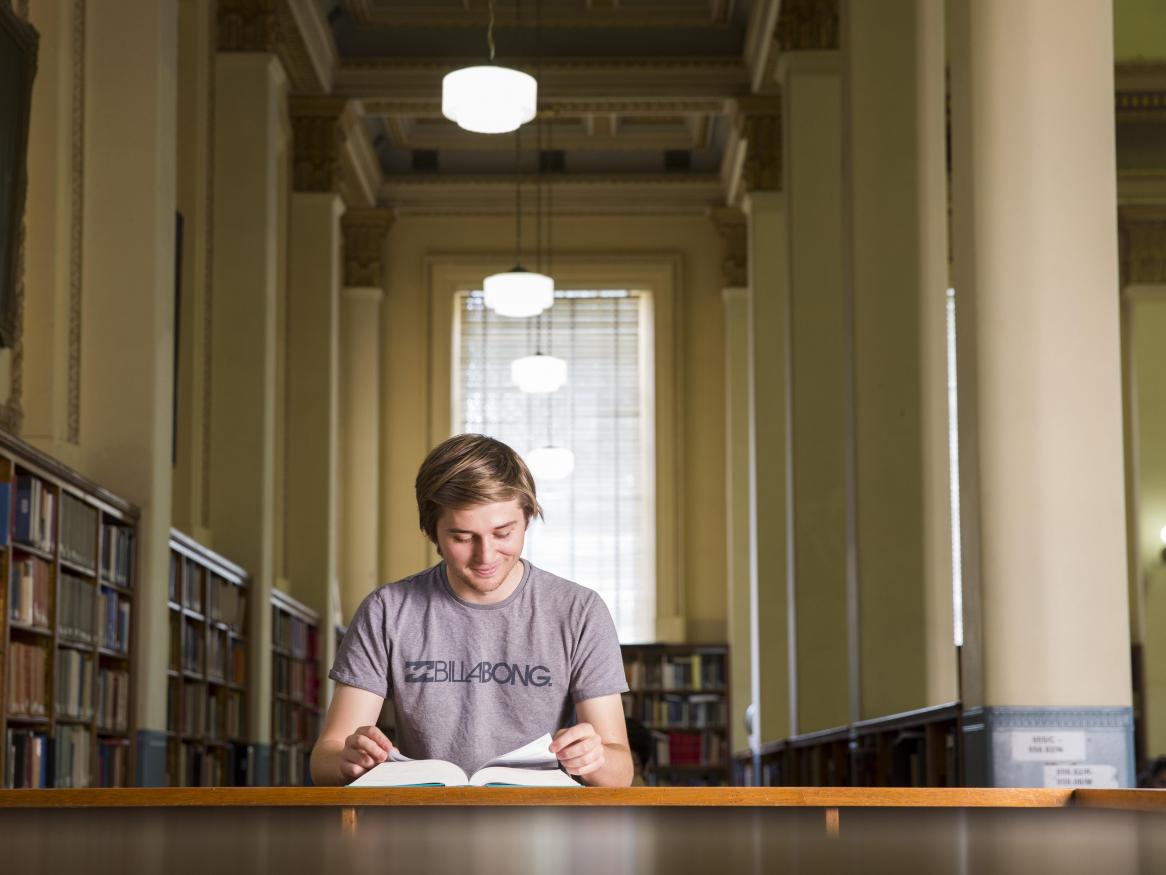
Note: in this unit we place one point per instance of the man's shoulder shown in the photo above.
(561, 590)
(419, 585)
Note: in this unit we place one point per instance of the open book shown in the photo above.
(532, 765)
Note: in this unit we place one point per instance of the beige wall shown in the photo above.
(1147, 315)
(409, 397)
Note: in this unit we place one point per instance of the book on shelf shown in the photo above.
(26, 680)
(114, 626)
(34, 521)
(5, 510)
(117, 554)
(27, 760)
(71, 756)
(113, 700)
(532, 765)
(28, 592)
(74, 672)
(192, 587)
(75, 610)
(78, 532)
(112, 761)
(226, 603)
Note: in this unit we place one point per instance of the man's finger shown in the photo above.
(567, 736)
(370, 748)
(376, 735)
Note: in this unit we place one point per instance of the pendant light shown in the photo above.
(518, 292)
(488, 99)
(551, 463)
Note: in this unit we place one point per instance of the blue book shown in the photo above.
(23, 529)
(5, 510)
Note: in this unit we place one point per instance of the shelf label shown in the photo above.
(1048, 747)
(1081, 776)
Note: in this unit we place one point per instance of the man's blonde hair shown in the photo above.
(470, 469)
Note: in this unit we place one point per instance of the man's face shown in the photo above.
(481, 546)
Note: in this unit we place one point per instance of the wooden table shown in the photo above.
(671, 831)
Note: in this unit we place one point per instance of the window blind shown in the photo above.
(599, 522)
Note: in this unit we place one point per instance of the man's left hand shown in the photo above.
(579, 749)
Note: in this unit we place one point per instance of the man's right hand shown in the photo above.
(365, 748)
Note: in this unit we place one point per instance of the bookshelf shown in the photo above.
(67, 614)
(680, 693)
(207, 737)
(295, 685)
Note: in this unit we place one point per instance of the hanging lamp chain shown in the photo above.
(490, 32)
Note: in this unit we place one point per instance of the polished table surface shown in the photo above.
(634, 830)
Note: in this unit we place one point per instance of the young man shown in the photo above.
(483, 652)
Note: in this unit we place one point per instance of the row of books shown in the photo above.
(193, 765)
(695, 671)
(115, 621)
(205, 714)
(294, 723)
(28, 591)
(689, 749)
(113, 700)
(34, 522)
(192, 647)
(225, 716)
(226, 659)
(227, 603)
(76, 598)
(26, 680)
(117, 554)
(191, 586)
(78, 532)
(664, 710)
(295, 679)
(27, 760)
(113, 756)
(74, 684)
(293, 635)
(289, 764)
(71, 763)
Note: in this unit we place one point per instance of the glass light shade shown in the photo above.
(519, 293)
(488, 100)
(538, 373)
(550, 463)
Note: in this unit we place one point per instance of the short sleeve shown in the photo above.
(597, 667)
(362, 659)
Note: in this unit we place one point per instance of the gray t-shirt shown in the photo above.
(471, 682)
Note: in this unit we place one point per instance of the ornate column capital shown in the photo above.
(808, 25)
(267, 26)
(317, 142)
(364, 239)
(757, 121)
(730, 224)
(1142, 245)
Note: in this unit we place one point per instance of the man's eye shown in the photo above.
(503, 536)
(462, 540)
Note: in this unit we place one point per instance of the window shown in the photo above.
(600, 520)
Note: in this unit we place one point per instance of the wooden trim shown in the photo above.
(1126, 800)
(791, 797)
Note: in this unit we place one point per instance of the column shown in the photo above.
(759, 126)
(809, 71)
(196, 173)
(735, 294)
(50, 390)
(312, 420)
(1040, 390)
(360, 403)
(897, 255)
(250, 199)
(127, 314)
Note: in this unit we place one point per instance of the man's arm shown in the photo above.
(595, 749)
(350, 743)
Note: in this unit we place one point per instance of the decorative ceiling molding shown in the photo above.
(730, 224)
(364, 244)
(761, 44)
(588, 80)
(418, 195)
(808, 26)
(318, 140)
(1145, 188)
(753, 154)
(291, 29)
(582, 132)
(431, 108)
(575, 14)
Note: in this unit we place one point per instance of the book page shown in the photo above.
(497, 776)
(533, 755)
(405, 772)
